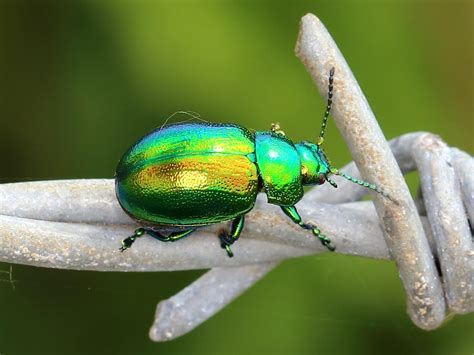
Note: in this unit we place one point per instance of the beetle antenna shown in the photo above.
(328, 107)
(360, 182)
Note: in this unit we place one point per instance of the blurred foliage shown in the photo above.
(82, 80)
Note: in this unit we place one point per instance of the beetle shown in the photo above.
(184, 176)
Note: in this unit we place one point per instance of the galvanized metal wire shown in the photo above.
(78, 224)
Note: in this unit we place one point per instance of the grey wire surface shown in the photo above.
(402, 226)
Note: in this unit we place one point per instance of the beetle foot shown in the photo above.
(226, 242)
(128, 242)
(327, 242)
(323, 239)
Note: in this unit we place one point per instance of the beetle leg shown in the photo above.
(127, 242)
(227, 239)
(292, 212)
(172, 237)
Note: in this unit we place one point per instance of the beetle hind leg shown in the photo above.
(227, 239)
(292, 212)
(172, 237)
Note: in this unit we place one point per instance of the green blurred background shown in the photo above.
(82, 80)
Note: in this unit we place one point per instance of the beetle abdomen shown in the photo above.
(189, 174)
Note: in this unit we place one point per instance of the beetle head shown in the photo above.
(315, 167)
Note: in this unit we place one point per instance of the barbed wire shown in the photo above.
(78, 224)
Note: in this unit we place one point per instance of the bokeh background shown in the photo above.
(82, 80)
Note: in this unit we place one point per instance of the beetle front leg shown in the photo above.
(227, 239)
(292, 212)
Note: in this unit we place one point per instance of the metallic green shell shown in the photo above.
(189, 175)
(279, 167)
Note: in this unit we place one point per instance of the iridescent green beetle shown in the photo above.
(185, 176)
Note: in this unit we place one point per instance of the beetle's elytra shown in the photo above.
(183, 176)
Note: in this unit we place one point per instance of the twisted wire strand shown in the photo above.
(64, 224)
(171, 321)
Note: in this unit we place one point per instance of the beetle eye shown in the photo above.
(321, 179)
